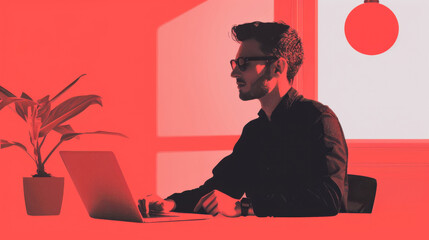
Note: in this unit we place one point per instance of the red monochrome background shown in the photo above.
(46, 45)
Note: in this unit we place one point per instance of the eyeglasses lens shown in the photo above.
(242, 65)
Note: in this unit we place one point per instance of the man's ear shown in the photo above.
(280, 66)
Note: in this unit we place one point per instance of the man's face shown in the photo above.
(253, 82)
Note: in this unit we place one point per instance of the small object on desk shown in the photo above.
(245, 205)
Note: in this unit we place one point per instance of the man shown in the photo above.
(291, 160)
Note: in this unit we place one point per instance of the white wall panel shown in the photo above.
(376, 97)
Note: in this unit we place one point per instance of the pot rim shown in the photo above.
(41, 177)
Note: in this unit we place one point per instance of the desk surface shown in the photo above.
(348, 226)
(401, 211)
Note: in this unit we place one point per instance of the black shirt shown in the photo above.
(293, 165)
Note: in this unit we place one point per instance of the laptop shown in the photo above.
(104, 191)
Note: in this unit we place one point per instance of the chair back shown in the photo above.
(361, 194)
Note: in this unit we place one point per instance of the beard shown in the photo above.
(257, 89)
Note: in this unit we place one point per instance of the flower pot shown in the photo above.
(43, 195)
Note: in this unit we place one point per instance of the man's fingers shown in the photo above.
(211, 206)
(202, 200)
(140, 208)
(146, 205)
(155, 206)
(209, 203)
(214, 211)
(143, 211)
(141, 204)
(198, 206)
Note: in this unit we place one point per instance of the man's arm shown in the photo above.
(226, 179)
(323, 193)
(223, 180)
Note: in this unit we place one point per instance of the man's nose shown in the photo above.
(236, 72)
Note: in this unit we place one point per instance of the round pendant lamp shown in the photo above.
(371, 28)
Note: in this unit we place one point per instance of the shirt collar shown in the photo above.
(284, 104)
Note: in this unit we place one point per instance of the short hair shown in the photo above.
(276, 38)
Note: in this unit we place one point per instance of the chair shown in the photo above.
(361, 194)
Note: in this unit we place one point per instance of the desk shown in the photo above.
(343, 226)
(401, 211)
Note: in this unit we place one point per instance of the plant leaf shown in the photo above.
(35, 124)
(21, 107)
(69, 136)
(4, 100)
(6, 97)
(44, 108)
(6, 92)
(64, 129)
(43, 100)
(66, 110)
(5, 144)
(65, 89)
(24, 95)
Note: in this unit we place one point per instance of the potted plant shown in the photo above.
(44, 193)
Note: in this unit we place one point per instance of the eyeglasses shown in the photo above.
(243, 62)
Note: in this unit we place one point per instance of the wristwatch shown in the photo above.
(245, 205)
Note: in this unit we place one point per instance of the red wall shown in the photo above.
(46, 45)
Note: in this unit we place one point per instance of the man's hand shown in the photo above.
(216, 202)
(153, 204)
